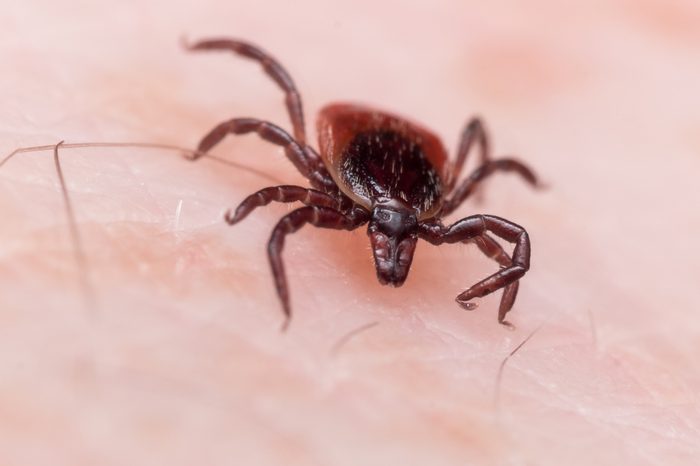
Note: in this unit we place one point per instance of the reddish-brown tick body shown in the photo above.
(373, 155)
(382, 170)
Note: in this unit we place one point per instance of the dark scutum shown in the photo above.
(387, 165)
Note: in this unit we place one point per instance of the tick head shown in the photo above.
(393, 234)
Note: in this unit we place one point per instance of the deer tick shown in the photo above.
(382, 170)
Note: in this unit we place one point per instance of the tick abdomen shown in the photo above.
(373, 155)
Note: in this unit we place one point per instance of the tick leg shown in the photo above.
(321, 217)
(266, 130)
(310, 197)
(478, 225)
(308, 163)
(473, 133)
(273, 69)
(492, 249)
(468, 186)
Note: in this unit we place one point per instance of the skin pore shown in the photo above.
(174, 355)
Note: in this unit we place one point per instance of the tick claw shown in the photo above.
(542, 186)
(230, 217)
(191, 155)
(507, 325)
(469, 306)
(285, 325)
(185, 42)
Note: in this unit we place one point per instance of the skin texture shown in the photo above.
(174, 355)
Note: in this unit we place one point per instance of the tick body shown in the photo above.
(382, 170)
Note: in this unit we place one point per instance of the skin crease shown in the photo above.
(179, 359)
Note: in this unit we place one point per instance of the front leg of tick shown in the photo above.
(304, 159)
(477, 225)
(495, 251)
(285, 193)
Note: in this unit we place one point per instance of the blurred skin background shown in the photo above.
(177, 357)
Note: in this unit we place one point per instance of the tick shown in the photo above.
(382, 170)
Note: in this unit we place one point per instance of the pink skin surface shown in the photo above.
(177, 357)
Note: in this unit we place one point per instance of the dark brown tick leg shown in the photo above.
(473, 132)
(306, 162)
(273, 69)
(472, 227)
(310, 197)
(321, 217)
(266, 130)
(492, 249)
(468, 186)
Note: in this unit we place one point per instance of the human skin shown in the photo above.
(174, 356)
